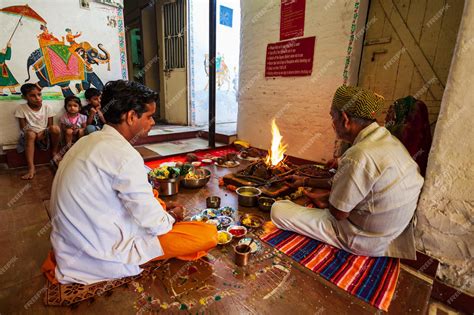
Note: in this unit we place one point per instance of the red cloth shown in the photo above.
(182, 157)
(413, 129)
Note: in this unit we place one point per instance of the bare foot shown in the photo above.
(316, 194)
(319, 198)
(31, 173)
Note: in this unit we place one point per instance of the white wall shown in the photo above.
(445, 210)
(59, 14)
(300, 105)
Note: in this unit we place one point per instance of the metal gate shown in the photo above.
(174, 28)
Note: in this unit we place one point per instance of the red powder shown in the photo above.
(237, 232)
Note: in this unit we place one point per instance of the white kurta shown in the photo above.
(105, 219)
(378, 183)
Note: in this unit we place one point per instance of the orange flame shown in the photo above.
(276, 153)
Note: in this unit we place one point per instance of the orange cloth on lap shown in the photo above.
(188, 240)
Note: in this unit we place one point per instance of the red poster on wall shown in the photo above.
(291, 58)
(292, 18)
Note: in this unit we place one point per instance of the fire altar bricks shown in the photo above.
(268, 173)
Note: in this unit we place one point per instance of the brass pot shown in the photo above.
(248, 196)
(166, 187)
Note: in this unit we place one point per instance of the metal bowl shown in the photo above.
(166, 187)
(213, 202)
(235, 228)
(224, 222)
(251, 220)
(197, 183)
(227, 235)
(265, 203)
(248, 196)
(211, 213)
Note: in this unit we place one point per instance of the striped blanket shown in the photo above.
(372, 279)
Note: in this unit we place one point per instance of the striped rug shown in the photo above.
(372, 279)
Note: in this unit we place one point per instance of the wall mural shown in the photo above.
(57, 62)
(222, 72)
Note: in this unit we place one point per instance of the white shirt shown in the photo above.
(379, 183)
(36, 121)
(105, 219)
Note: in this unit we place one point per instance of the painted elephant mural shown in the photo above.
(56, 64)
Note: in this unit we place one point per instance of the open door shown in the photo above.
(174, 61)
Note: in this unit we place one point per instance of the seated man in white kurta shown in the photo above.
(374, 193)
(105, 219)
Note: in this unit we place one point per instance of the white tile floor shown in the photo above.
(228, 129)
(168, 129)
(180, 146)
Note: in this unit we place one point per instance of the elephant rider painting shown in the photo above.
(56, 65)
(7, 80)
(71, 39)
(46, 35)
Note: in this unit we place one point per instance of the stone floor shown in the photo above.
(24, 232)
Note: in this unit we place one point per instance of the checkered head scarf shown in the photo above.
(357, 102)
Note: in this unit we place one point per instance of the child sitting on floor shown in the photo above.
(95, 117)
(73, 123)
(36, 124)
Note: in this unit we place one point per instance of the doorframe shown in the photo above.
(159, 38)
(135, 23)
(188, 61)
(158, 114)
(360, 42)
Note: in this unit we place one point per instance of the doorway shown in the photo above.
(167, 46)
(142, 46)
(408, 50)
(227, 63)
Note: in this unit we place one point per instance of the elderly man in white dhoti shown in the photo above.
(374, 193)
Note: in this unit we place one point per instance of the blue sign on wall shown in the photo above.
(226, 16)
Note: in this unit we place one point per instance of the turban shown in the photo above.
(357, 102)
